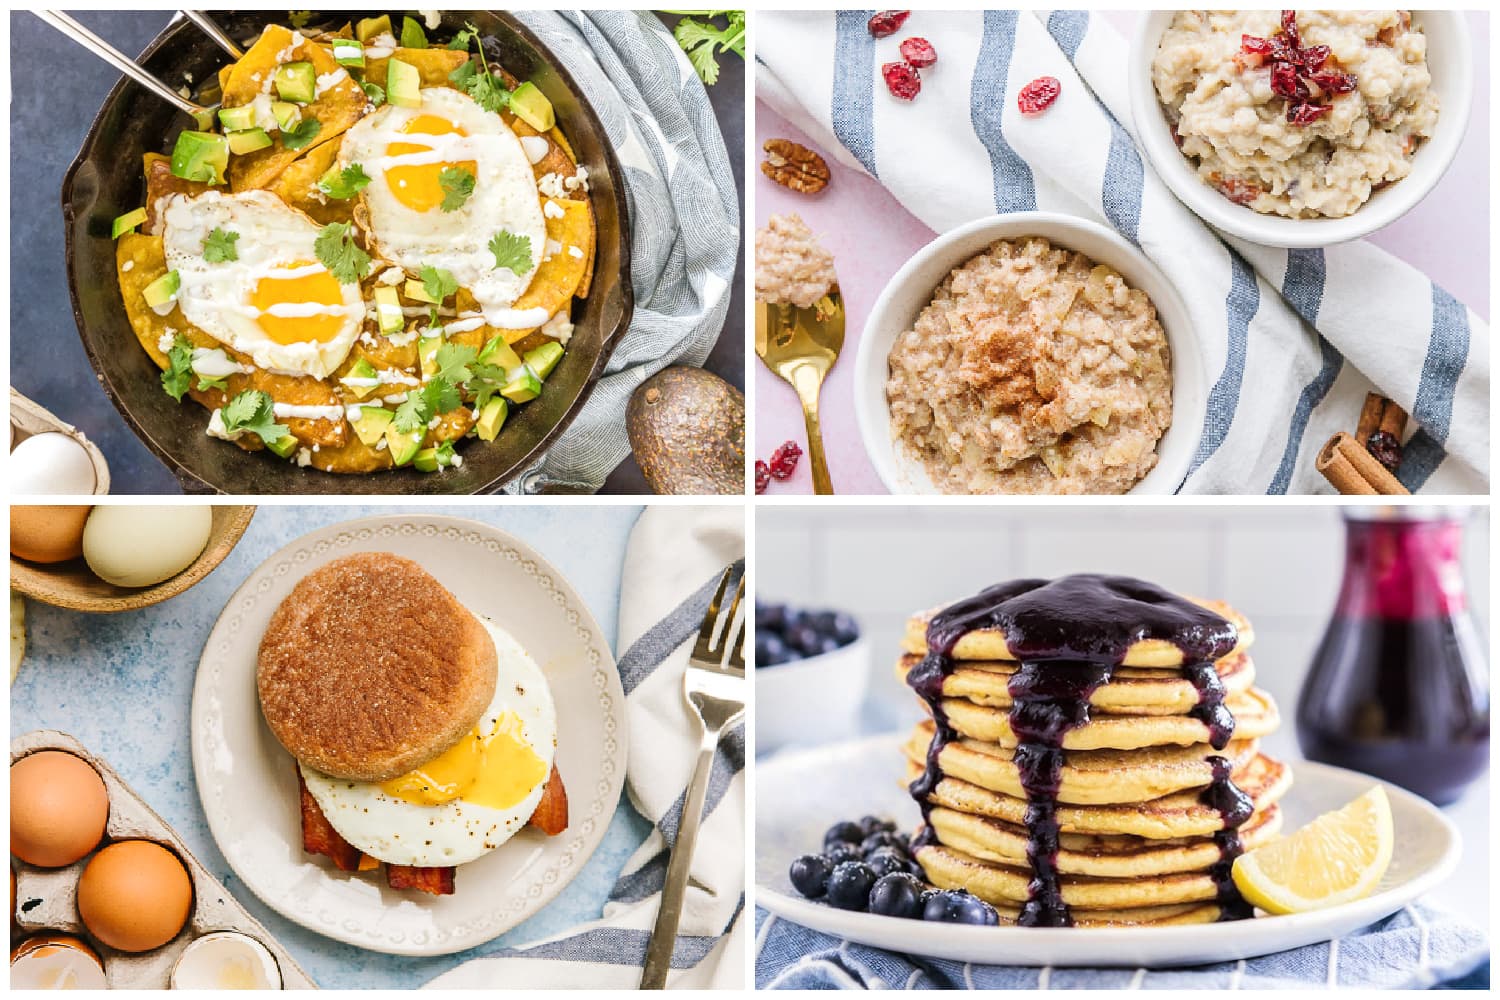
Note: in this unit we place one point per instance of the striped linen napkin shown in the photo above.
(1414, 948)
(672, 567)
(684, 221)
(1293, 339)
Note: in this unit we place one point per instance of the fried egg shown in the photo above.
(470, 799)
(273, 301)
(405, 151)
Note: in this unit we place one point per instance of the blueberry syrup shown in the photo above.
(1068, 636)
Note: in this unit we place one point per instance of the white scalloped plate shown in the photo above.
(248, 787)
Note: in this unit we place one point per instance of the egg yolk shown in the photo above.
(419, 186)
(310, 306)
(496, 771)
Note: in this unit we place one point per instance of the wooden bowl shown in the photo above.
(73, 585)
(28, 418)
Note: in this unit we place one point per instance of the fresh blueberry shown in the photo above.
(879, 839)
(841, 851)
(849, 885)
(886, 860)
(807, 640)
(792, 618)
(770, 617)
(769, 648)
(844, 831)
(955, 906)
(809, 874)
(828, 644)
(845, 629)
(897, 895)
(875, 824)
(823, 621)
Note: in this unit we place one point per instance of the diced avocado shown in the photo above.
(388, 310)
(500, 354)
(297, 81)
(369, 27)
(200, 156)
(371, 425)
(492, 418)
(427, 349)
(348, 52)
(417, 290)
(426, 460)
(404, 445)
(521, 385)
(403, 84)
(248, 141)
(287, 115)
(285, 446)
(126, 223)
(544, 358)
(237, 119)
(532, 107)
(361, 379)
(163, 289)
(412, 35)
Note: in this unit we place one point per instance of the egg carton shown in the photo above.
(47, 898)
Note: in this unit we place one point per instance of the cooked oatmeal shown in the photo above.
(1033, 370)
(790, 266)
(1216, 75)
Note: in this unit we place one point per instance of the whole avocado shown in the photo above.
(687, 430)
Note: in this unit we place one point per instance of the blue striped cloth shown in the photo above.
(1414, 948)
(1292, 339)
(672, 567)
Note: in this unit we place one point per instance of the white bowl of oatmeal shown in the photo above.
(1029, 353)
(1381, 101)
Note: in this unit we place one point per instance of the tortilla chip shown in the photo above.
(298, 187)
(160, 182)
(557, 136)
(148, 261)
(556, 161)
(432, 65)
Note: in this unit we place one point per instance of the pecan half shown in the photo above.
(794, 166)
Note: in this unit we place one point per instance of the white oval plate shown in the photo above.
(247, 782)
(799, 795)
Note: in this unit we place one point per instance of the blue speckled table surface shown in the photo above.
(122, 684)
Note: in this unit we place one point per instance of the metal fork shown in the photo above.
(714, 686)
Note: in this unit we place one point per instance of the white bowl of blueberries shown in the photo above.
(811, 672)
(867, 867)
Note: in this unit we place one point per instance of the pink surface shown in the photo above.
(872, 235)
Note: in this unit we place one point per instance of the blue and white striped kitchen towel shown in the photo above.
(684, 215)
(1411, 949)
(1293, 339)
(672, 566)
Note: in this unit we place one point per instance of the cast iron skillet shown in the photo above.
(106, 180)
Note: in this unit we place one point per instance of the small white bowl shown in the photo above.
(910, 291)
(816, 700)
(1448, 59)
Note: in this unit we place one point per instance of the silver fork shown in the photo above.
(714, 686)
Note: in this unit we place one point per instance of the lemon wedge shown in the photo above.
(1337, 858)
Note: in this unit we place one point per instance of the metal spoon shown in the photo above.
(99, 47)
(800, 345)
(216, 33)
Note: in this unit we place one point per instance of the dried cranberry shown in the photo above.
(1289, 25)
(1305, 114)
(1038, 95)
(1286, 83)
(887, 22)
(1386, 449)
(1334, 83)
(919, 52)
(784, 460)
(1238, 191)
(902, 79)
(762, 476)
(1313, 59)
(1251, 45)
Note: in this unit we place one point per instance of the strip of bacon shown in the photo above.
(437, 881)
(319, 836)
(551, 813)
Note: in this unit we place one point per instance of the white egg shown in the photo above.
(404, 150)
(226, 960)
(401, 832)
(50, 464)
(136, 546)
(275, 301)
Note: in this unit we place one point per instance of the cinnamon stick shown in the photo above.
(1353, 471)
(1370, 416)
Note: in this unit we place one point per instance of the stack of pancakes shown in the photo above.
(1138, 794)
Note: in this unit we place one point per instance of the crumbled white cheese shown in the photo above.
(559, 328)
(129, 265)
(458, 461)
(580, 179)
(380, 445)
(304, 458)
(553, 247)
(216, 427)
(327, 81)
(432, 18)
(553, 210)
(576, 253)
(535, 147)
(165, 341)
(550, 185)
(391, 276)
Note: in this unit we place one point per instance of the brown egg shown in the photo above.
(58, 808)
(135, 895)
(47, 534)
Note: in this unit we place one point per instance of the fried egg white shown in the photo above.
(404, 150)
(274, 301)
(491, 780)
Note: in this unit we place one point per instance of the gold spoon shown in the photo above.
(801, 344)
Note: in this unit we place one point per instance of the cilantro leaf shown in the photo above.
(299, 18)
(219, 246)
(344, 184)
(339, 253)
(511, 251)
(412, 35)
(461, 40)
(179, 374)
(304, 132)
(438, 283)
(702, 40)
(487, 89)
(411, 415)
(374, 91)
(457, 184)
(205, 383)
(484, 381)
(453, 362)
(253, 411)
(445, 454)
(441, 396)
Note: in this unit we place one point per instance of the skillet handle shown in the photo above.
(616, 313)
(99, 47)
